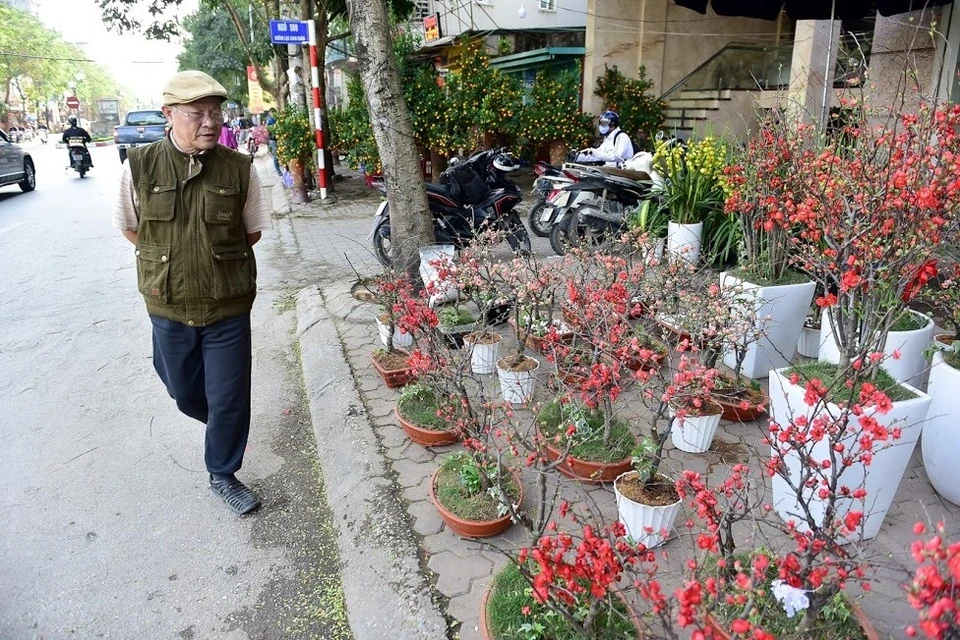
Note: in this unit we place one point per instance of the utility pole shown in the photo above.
(411, 225)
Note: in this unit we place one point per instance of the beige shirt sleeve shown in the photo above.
(256, 212)
(126, 213)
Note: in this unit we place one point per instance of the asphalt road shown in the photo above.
(107, 526)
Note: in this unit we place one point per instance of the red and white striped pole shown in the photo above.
(317, 108)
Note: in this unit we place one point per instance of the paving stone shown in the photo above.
(427, 520)
(394, 439)
(419, 453)
(455, 573)
(436, 543)
(410, 473)
(466, 609)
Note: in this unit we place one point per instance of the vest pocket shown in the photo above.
(221, 204)
(233, 275)
(158, 202)
(153, 271)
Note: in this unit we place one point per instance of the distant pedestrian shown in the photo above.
(227, 138)
(194, 209)
(272, 140)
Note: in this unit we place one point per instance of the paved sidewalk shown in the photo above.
(331, 242)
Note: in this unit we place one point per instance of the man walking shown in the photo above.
(194, 209)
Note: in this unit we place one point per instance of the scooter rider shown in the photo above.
(76, 131)
(616, 146)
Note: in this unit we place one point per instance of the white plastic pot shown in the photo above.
(400, 340)
(941, 433)
(809, 343)
(694, 434)
(911, 366)
(517, 386)
(780, 312)
(646, 524)
(880, 479)
(683, 240)
(430, 274)
(941, 345)
(483, 357)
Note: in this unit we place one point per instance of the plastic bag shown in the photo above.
(287, 178)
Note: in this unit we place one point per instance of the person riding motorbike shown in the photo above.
(616, 146)
(76, 131)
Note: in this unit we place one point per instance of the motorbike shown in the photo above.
(547, 185)
(79, 156)
(473, 195)
(43, 136)
(598, 206)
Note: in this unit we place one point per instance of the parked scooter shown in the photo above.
(473, 195)
(550, 180)
(79, 156)
(600, 202)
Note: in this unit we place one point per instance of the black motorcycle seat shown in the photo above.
(440, 189)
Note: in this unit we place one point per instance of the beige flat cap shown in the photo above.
(188, 86)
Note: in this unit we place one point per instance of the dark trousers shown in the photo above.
(207, 371)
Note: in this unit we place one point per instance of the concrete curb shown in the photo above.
(386, 594)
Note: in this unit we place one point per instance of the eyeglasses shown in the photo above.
(200, 116)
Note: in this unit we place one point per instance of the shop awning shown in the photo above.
(536, 57)
(809, 9)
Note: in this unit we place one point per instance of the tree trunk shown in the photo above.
(411, 225)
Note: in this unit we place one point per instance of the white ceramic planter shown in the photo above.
(809, 343)
(683, 240)
(694, 434)
(941, 433)
(646, 524)
(517, 386)
(400, 340)
(483, 357)
(910, 368)
(880, 479)
(780, 312)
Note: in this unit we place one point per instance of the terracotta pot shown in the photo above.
(584, 470)
(488, 635)
(719, 633)
(426, 437)
(733, 412)
(471, 528)
(393, 377)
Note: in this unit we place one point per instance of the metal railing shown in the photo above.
(766, 67)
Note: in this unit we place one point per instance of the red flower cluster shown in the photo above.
(935, 589)
(571, 574)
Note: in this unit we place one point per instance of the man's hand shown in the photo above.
(253, 238)
(130, 235)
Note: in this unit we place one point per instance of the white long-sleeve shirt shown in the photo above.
(615, 148)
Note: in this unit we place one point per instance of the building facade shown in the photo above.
(717, 73)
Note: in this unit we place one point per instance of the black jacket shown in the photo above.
(76, 132)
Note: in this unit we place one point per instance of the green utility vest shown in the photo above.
(194, 264)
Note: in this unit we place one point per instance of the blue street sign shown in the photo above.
(288, 32)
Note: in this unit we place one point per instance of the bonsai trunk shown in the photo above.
(660, 438)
